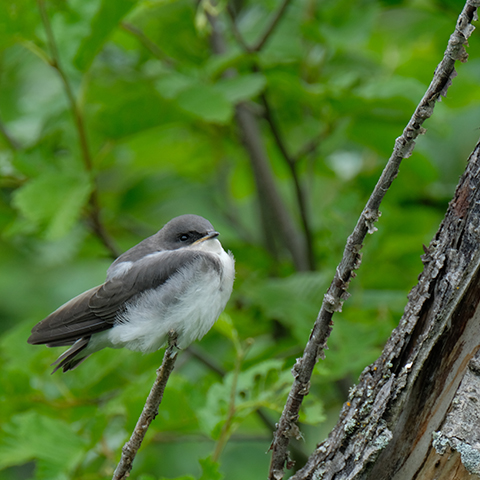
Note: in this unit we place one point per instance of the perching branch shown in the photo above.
(95, 220)
(337, 291)
(149, 412)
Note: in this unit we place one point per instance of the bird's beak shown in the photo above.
(208, 236)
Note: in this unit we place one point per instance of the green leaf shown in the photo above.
(396, 86)
(207, 103)
(52, 442)
(53, 201)
(17, 20)
(217, 64)
(312, 411)
(263, 385)
(242, 87)
(151, 477)
(106, 19)
(169, 86)
(210, 469)
(294, 300)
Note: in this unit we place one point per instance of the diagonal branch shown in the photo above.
(337, 291)
(96, 223)
(149, 412)
(271, 26)
(151, 46)
(259, 44)
(299, 192)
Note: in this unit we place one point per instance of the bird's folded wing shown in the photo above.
(96, 309)
(68, 323)
(145, 274)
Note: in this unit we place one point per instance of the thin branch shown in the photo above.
(271, 26)
(309, 147)
(236, 32)
(151, 46)
(206, 359)
(337, 291)
(274, 20)
(292, 165)
(150, 411)
(96, 223)
(276, 217)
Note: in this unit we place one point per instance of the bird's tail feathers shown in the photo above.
(71, 359)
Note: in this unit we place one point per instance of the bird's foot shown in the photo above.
(172, 343)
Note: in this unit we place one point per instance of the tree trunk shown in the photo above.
(415, 413)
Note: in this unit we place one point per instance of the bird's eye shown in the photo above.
(184, 237)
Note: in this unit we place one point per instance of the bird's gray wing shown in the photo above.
(68, 323)
(145, 274)
(96, 309)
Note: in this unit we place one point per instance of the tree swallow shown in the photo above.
(178, 280)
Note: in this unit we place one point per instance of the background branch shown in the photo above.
(299, 191)
(272, 23)
(94, 215)
(271, 26)
(151, 46)
(275, 215)
(268, 115)
(337, 291)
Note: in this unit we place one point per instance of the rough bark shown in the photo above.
(414, 413)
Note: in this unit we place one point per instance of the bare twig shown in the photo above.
(292, 165)
(96, 223)
(151, 46)
(236, 32)
(337, 291)
(309, 147)
(271, 26)
(150, 411)
(259, 44)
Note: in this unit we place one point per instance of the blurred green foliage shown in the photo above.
(158, 107)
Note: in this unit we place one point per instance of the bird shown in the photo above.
(174, 283)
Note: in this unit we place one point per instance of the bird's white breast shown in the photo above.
(189, 303)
